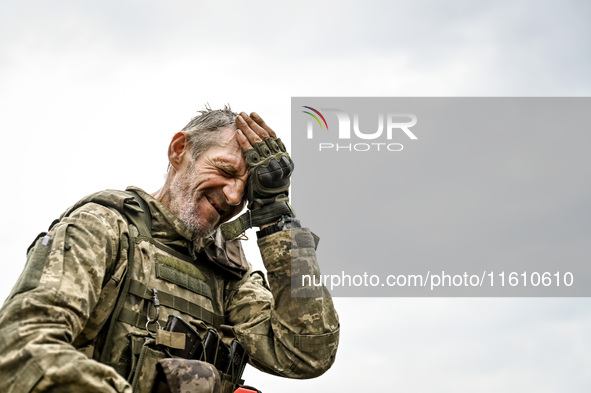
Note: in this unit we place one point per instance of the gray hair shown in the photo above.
(203, 129)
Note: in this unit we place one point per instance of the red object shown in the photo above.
(244, 390)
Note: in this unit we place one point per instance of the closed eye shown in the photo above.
(224, 168)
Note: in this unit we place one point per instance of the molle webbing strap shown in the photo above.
(108, 337)
(183, 279)
(255, 218)
(138, 319)
(175, 302)
(142, 219)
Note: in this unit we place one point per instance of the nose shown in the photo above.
(233, 191)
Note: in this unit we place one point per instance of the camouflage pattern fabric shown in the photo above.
(181, 376)
(50, 322)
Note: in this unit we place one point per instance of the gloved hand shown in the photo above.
(269, 172)
(269, 164)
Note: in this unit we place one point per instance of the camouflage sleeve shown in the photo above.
(51, 304)
(294, 337)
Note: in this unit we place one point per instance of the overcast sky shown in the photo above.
(92, 92)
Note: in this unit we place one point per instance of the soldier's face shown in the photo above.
(209, 190)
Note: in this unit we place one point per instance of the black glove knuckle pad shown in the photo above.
(252, 157)
(269, 168)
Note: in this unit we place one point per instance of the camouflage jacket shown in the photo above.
(67, 292)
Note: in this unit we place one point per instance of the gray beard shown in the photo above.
(184, 204)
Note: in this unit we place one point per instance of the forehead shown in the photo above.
(227, 146)
(228, 136)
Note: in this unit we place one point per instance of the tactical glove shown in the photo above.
(269, 172)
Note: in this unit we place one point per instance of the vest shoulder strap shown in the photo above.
(128, 203)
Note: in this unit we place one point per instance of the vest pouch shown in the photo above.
(176, 375)
(144, 372)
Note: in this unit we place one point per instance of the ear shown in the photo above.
(177, 149)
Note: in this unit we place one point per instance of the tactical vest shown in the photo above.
(156, 282)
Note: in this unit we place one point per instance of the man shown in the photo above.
(109, 291)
